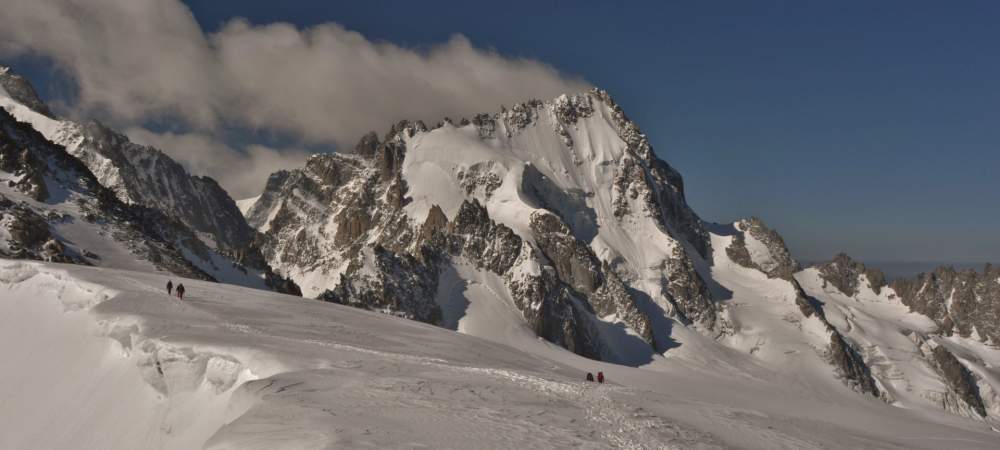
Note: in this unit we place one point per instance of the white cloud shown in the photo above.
(136, 60)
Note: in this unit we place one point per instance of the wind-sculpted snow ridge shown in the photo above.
(193, 213)
(231, 367)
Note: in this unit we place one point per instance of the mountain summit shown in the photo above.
(546, 225)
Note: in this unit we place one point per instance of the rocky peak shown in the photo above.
(32, 226)
(435, 222)
(367, 146)
(964, 302)
(192, 211)
(22, 91)
(142, 175)
(571, 108)
(845, 274)
(960, 380)
(759, 247)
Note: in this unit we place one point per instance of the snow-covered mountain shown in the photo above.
(53, 208)
(550, 197)
(551, 228)
(561, 210)
(193, 214)
(917, 356)
(137, 174)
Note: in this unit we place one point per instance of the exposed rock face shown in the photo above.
(475, 236)
(144, 175)
(398, 284)
(572, 259)
(26, 230)
(368, 145)
(341, 191)
(687, 292)
(846, 360)
(962, 396)
(346, 217)
(851, 365)
(653, 181)
(845, 274)
(959, 379)
(545, 301)
(577, 266)
(760, 247)
(191, 211)
(808, 306)
(436, 222)
(21, 90)
(28, 155)
(964, 302)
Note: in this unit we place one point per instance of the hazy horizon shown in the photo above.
(908, 269)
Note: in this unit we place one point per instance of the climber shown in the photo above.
(590, 376)
(180, 291)
(170, 286)
(600, 377)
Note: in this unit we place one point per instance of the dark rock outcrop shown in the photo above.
(143, 231)
(489, 245)
(770, 254)
(963, 302)
(960, 380)
(146, 176)
(851, 365)
(845, 274)
(687, 291)
(201, 214)
(435, 222)
(398, 284)
(22, 91)
(577, 266)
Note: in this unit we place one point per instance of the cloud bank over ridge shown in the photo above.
(136, 61)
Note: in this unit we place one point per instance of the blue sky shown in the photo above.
(865, 127)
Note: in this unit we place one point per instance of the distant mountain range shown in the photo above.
(556, 212)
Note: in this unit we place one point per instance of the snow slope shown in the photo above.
(245, 204)
(897, 342)
(240, 368)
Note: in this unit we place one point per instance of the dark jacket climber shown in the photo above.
(590, 376)
(170, 286)
(180, 291)
(600, 377)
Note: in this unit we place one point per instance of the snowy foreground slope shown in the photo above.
(102, 358)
